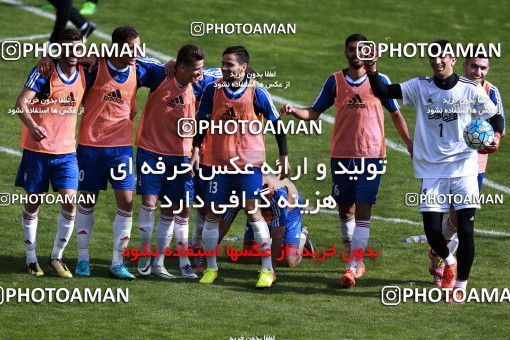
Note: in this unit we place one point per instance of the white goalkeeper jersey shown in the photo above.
(439, 150)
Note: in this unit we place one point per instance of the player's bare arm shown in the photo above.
(26, 96)
(401, 125)
(300, 113)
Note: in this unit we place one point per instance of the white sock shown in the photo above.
(65, 226)
(163, 238)
(263, 238)
(196, 239)
(302, 241)
(29, 225)
(121, 234)
(146, 225)
(460, 284)
(360, 238)
(450, 260)
(347, 229)
(84, 225)
(210, 236)
(453, 244)
(450, 234)
(181, 230)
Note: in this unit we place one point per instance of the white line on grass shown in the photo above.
(29, 37)
(389, 143)
(405, 221)
(10, 151)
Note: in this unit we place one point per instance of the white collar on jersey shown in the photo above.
(240, 89)
(63, 76)
(357, 81)
(110, 65)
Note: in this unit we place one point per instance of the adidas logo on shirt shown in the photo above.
(229, 114)
(356, 102)
(177, 102)
(68, 101)
(114, 96)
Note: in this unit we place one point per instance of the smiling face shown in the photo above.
(442, 67)
(232, 69)
(352, 55)
(476, 69)
(190, 73)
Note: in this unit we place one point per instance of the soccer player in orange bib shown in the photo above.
(159, 140)
(235, 100)
(49, 108)
(105, 152)
(358, 138)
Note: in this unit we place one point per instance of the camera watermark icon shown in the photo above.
(411, 199)
(186, 127)
(197, 29)
(366, 50)
(5, 199)
(391, 295)
(11, 50)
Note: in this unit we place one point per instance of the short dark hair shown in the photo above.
(241, 53)
(122, 34)
(70, 34)
(189, 54)
(354, 37)
(478, 55)
(442, 45)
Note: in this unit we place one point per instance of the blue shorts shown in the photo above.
(98, 164)
(481, 175)
(220, 188)
(175, 190)
(199, 184)
(292, 229)
(347, 191)
(37, 169)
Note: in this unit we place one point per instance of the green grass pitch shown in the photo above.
(306, 302)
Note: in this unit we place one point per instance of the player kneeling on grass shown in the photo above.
(158, 141)
(476, 69)
(49, 108)
(442, 160)
(285, 224)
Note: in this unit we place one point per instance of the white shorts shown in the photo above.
(439, 194)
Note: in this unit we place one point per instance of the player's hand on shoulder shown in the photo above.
(88, 62)
(493, 147)
(45, 66)
(170, 68)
